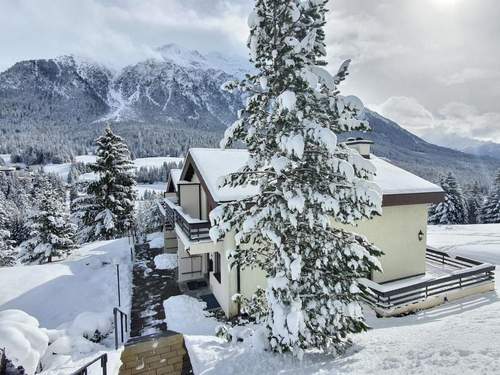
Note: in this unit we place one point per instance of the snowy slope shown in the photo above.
(70, 297)
(86, 281)
(63, 169)
(455, 338)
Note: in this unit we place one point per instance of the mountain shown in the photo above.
(425, 159)
(163, 106)
(468, 145)
(231, 64)
(179, 87)
(64, 89)
(484, 149)
(162, 91)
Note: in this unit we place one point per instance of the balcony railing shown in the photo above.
(194, 229)
(469, 273)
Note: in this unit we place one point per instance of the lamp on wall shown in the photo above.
(420, 235)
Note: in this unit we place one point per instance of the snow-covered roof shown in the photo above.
(213, 164)
(395, 180)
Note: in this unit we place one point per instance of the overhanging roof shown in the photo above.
(399, 187)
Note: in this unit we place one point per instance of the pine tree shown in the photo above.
(490, 211)
(7, 252)
(51, 233)
(453, 210)
(474, 199)
(111, 198)
(308, 182)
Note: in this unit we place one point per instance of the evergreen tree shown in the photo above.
(490, 211)
(7, 252)
(51, 234)
(474, 199)
(453, 210)
(110, 201)
(307, 182)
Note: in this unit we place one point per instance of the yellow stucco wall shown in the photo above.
(227, 287)
(396, 234)
(190, 199)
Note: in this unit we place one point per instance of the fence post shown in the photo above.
(118, 281)
(121, 324)
(104, 361)
(116, 327)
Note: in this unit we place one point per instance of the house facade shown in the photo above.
(192, 192)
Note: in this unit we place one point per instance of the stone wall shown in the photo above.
(158, 354)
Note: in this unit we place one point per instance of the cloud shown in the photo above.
(408, 113)
(433, 51)
(470, 75)
(117, 32)
(361, 37)
(454, 119)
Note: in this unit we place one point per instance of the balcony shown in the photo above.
(447, 278)
(194, 229)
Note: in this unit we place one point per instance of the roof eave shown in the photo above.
(412, 198)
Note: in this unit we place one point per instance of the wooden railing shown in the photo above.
(194, 231)
(469, 273)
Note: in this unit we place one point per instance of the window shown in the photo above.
(216, 266)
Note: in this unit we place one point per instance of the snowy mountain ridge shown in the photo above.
(231, 64)
(180, 87)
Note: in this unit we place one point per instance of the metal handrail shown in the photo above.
(117, 311)
(104, 360)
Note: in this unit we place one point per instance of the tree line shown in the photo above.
(43, 219)
(473, 205)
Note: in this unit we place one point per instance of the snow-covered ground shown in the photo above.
(156, 240)
(72, 298)
(159, 187)
(460, 337)
(63, 169)
(156, 161)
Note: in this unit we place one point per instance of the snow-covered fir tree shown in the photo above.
(109, 203)
(490, 211)
(51, 234)
(453, 210)
(474, 199)
(307, 180)
(7, 252)
(148, 218)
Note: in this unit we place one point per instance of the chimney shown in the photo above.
(361, 145)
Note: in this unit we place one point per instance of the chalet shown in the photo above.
(412, 272)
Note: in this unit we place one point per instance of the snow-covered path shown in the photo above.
(457, 338)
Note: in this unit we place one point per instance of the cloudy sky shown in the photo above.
(431, 65)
